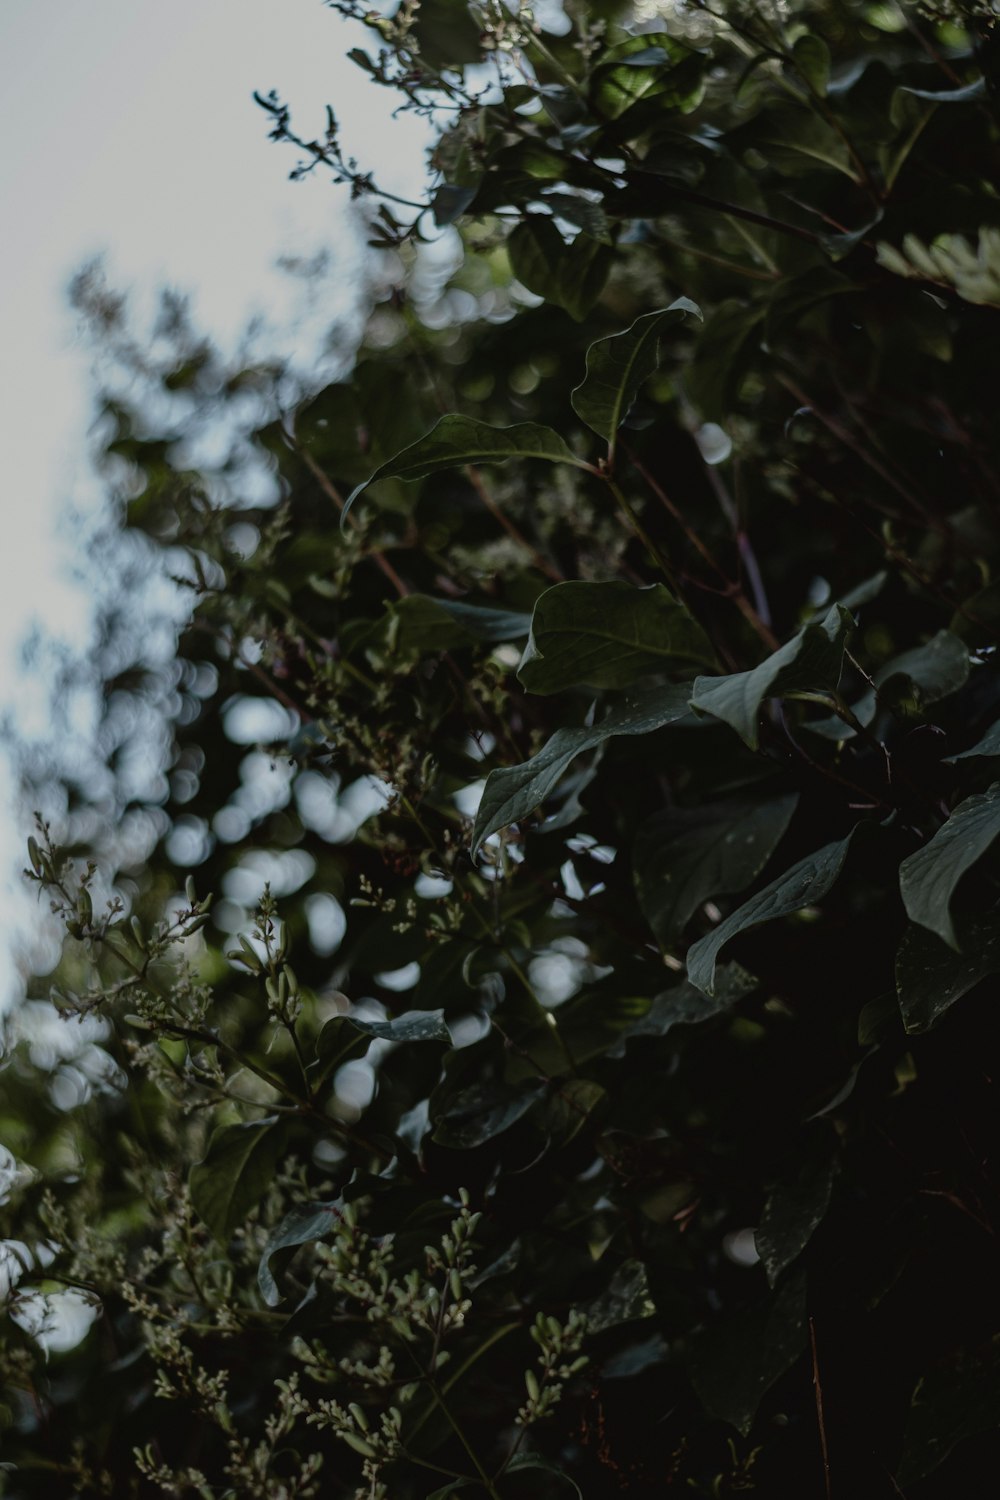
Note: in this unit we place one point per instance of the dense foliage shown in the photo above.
(582, 1076)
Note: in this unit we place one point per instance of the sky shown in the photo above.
(128, 130)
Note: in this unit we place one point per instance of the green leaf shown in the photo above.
(235, 1173)
(803, 885)
(793, 138)
(618, 366)
(909, 682)
(730, 334)
(930, 976)
(457, 440)
(522, 1461)
(949, 1405)
(571, 276)
(813, 659)
(653, 68)
(936, 669)
(988, 745)
(684, 856)
(607, 635)
(414, 1026)
(310, 1221)
(794, 1210)
(582, 212)
(736, 1362)
(514, 791)
(683, 1005)
(426, 624)
(927, 879)
(811, 56)
(626, 1299)
(484, 1110)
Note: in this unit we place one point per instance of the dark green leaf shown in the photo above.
(909, 682)
(450, 203)
(803, 885)
(427, 624)
(793, 138)
(414, 1026)
(607, 635)
(235, 1173)
(571, 276)
(683, 1005)
(485, 1110)
(811, 56)
(310, 1221)
(987, 746)
(684, 856)
(794, 1210)
(936, 669)
(730, 335)
(811, 660)
(927, 879)
(583, 212)
(457, 440)
(930, 976)
(617, 367)
(514, 791)
(736, 1361)
(626, 1299)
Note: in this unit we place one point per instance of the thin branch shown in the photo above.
(818, 1389)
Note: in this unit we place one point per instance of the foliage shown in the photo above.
(590, 735)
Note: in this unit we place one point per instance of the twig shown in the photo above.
(818, 1388)
(330, 490)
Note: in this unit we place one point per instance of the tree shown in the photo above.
(581, 1077)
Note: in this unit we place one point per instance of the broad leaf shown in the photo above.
(414, 1026)
(811, 660)
(617, 367)
(811, 56)
(235, 1173)
(626, 1299)
(683, 1005)
(426, 624)
(804, 884)
(936, 669)
(485, 1110)
(310, 1221)
(930, 976)
(736, 1362)
(514, 791)
(988, 745)
(683, 856)
(607, 635)
(457, 440)
(651, 68)
(794, 1209)
(927, 879)
(913, 680)
(571, 276)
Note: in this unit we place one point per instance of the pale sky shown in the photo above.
(127, 127)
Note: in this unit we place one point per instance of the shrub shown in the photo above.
(584, 1079)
